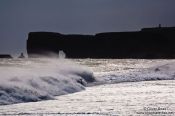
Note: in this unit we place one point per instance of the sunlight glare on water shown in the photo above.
(140, 87)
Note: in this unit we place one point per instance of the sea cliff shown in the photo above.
(148, 43)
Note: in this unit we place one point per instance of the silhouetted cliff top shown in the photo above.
(58, 35)
(159, 29)
(44, 34)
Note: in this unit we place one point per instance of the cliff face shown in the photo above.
(147, 43)
(40, 43)
(5, 56)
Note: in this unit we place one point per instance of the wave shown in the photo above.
(163, 71)
(31, 80)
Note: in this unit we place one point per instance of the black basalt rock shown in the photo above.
(5, 56)
(149, 43)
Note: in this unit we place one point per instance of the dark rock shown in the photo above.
(149, 43)
(157, 69)
(21, 56)
(5, 56)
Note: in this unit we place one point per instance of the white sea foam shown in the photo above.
(164, 70)
(26, 80)
(109, 99)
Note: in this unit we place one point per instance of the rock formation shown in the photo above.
(5, 56)
(148, 43)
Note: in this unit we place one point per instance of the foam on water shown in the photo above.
(130, 70)
(108, 99)
(163, 70)
(26, 80)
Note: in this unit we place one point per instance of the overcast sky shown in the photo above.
(19, 17)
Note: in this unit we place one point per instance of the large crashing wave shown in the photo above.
(30, 80)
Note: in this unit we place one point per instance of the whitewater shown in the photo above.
(27, 80)
(87, 87)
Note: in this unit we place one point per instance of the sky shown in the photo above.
(19, 17)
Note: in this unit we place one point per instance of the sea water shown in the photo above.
(110, 87)
(30, 80)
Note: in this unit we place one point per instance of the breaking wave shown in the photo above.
(161, 71)
(30, 80)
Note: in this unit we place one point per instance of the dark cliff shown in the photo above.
(5, 56)
(147, 43)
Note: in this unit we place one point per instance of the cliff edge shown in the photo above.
(149, 43)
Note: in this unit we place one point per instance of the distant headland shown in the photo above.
(5, 56)
(148, 43)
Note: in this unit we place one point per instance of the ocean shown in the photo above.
(87, 87)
